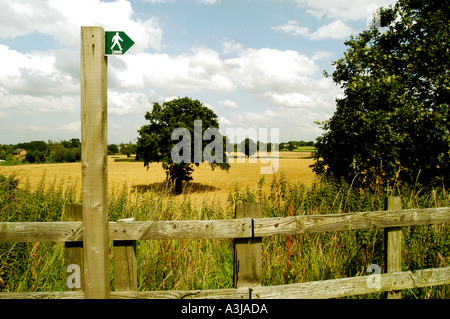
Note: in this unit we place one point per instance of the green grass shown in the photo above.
(307, 149)
(207, 264)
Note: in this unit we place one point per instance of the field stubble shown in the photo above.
(206, 185)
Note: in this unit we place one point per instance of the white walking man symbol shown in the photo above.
(116, 40)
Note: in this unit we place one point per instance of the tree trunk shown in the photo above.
(178, 186)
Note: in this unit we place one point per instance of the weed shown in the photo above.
(208, 264)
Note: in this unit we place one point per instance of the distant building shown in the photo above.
(19, 153)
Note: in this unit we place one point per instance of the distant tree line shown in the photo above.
(248, 144)
(44, 152)
(293, 145)
(127, 149)
(70, 151)
(56, 152)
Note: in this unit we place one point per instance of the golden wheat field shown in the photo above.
(206, 185)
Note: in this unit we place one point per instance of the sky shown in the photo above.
(257, 63)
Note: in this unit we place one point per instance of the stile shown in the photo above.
(247, 251)
(94, 162)
(393, 244)
(74, 249)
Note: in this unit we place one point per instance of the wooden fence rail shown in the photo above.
(334, 288)
(246, 229)
(226, 228)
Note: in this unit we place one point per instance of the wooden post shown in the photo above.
(393, 244)
(247, 251)
(125, 264)
(94, 162)
(74, 249)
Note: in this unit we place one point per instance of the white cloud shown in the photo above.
(22, 17)
(223, 122)
(231, 46)
(29, 104)
(335, 30)
(32, 83)
(229, 104)
(111, 15)
(128, 103)
(320, 55)
(310, 94)
(344, 10)
(48, 82)
(280, 79)
(200, 70)
(170, 98)
(269, 69)
(296, 100)
(72, 127)
(301, 124)
(13, 61)
(293, 28)
(210, 2)
(159, 1)
(62, 20)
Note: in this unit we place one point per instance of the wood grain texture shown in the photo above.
(125, 264)
(247, 265)
(74, 250)
(393, 244)
(341, 222)
(325, 289)
(353, 286)
(242, 293)
(73, 231)
(226, 228)
(231, 293)
(193, 229)
(94, 159)
(41, 232)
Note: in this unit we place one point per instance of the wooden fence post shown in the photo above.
(125, 264)
(74, 249)
(94, 162)
(393, 244)
(247, 251)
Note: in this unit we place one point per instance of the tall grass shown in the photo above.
(32, 266)
(208, 264)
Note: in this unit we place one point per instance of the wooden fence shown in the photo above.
(247, 230)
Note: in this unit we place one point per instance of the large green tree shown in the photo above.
(182, 133)
(393, 120)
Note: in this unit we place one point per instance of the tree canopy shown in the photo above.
(181, 133)
(392, 124)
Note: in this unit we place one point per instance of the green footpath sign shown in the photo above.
(117, 43)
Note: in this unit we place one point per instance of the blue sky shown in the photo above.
(256, 63)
